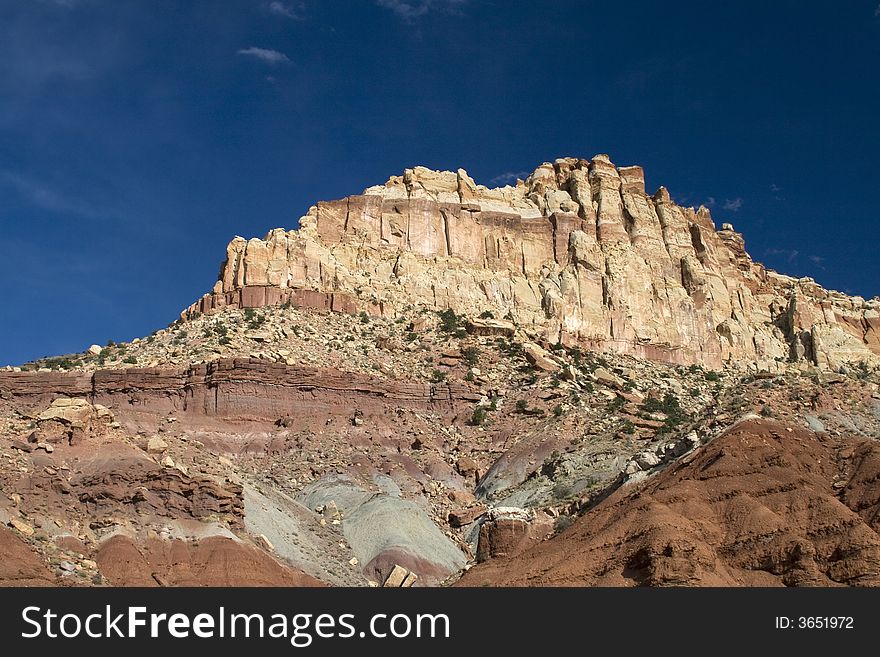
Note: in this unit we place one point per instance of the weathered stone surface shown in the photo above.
(396, 577)
(507, 531)
(577, 251)
(156, 445)
(75, 412)
(232, 388)
(480, 326)
(606, 378)
(22, 527)
(540, 358)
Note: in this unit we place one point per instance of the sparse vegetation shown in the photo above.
(862, 371)
(615, 404)
(61, 363)
(562, 523)
(479, 416)
(508, 347)
(471, 355)
(437, 376)
(668, 406)
(449, 321)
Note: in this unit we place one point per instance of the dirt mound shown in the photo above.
(20, 566)
(214, 561)
(765, 504)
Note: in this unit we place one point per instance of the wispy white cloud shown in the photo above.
(733, 205)
(293, 11)
(410, 10)
(46, 197)
(877, 11)
(775, 188)
(790, 254)
(508, 177)
(710, 202)
(266, 55)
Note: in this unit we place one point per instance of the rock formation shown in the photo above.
(578, 253)
(763, 505)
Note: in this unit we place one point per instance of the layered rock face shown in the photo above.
(577, 253)
(237, 389)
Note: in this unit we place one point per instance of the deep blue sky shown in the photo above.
(136, 138)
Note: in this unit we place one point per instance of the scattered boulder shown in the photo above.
(464, 517)
(156, 445)
(72, 412)
(486, 326)
(647, 460)
(69, 419)
(606, 378)
(541, 358)
(396, 577)
(22, 527)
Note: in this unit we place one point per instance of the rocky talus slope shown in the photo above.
(562, 382)
(578, 251)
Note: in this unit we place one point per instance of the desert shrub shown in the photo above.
(471, 355)
(479, 416)
(562, 523)
(449, 321)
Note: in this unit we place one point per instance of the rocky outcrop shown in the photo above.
(765, 504)
(577, 252)
(140, 485)
(239, 388)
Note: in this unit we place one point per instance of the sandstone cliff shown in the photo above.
(578, 253)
